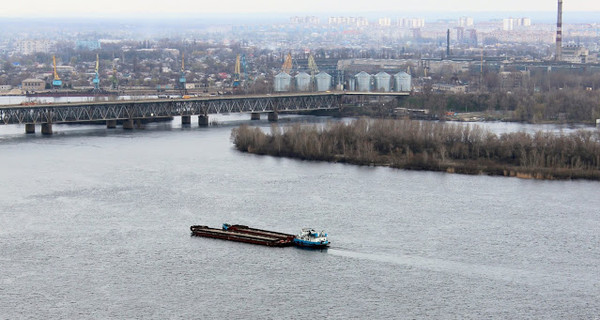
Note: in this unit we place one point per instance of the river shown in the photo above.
(95, 225)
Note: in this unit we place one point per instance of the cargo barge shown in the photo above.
(241, 233)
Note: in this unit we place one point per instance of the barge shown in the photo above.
(241, 233)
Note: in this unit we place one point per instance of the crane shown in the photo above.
(182, 74)
(57, 83)
(287, 65)
(236, 72)
(312, 65)
(96, 80)
(244, 67)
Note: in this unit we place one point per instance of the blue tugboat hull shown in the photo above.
(310, 244)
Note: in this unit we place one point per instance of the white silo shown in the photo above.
(282, 82)
(363, 81)
(351, 84)
(323, 81)
(382, 82)
(403, 81)
(302, 81)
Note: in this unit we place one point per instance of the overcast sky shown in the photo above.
(103, 8)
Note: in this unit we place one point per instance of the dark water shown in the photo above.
(94, 224)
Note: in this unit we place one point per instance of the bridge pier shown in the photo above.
(273, 116)
(30, 128)
(111, 124)
(255, 116)
(128, 124)
(203, 120)
(186, 119)
(47, 128)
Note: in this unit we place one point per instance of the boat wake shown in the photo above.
(559, 281)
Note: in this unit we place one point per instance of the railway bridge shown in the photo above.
(128, 112)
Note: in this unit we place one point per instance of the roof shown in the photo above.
(362, 74)
(283, 75)
(302, 75)
(34, 80)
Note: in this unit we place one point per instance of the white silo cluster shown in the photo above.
(363, 82)
(303, 82)
(380, 82)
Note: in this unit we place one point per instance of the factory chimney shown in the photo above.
(448, 43)
(558, 56)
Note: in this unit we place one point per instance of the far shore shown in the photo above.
(432, 146)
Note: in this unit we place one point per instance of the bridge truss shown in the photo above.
(124, 110)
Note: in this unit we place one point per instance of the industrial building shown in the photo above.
(577, 54)
(33, 85)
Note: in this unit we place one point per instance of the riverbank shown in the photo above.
(432, 146)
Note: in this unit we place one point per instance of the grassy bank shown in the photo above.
(432, 146)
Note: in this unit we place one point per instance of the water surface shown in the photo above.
(95, 225)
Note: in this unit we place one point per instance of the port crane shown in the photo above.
(236, 72)
(312, 65)
(240, 71)
(182, 74)
(96, 80)
(115, 81)
(56, 83)
(244, 67)
(287, 64)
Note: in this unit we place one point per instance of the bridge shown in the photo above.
(129, 111)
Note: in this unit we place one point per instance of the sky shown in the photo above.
(112, 8)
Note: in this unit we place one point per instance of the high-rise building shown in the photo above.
(465, 22)
(508, 24)
(385, 22)
(305, 20)
(355, 21)
(33, 46)
(411, 22)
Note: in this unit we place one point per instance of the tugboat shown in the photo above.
(310, 238)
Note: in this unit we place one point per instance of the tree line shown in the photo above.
(425, 145)
(567, 106)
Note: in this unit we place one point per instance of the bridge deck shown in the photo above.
(155, 108)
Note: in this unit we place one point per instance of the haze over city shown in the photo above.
(110, 8)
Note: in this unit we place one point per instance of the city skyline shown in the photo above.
(155, 8)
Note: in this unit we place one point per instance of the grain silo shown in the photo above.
(351, 84)
(302, 81)
(382, 81)
(403, 81)
(363, 81)
(282, 82)
(323, 81)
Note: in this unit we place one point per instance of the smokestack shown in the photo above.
(558, 56)
(448, 43)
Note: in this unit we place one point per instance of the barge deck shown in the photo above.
(241, 233)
